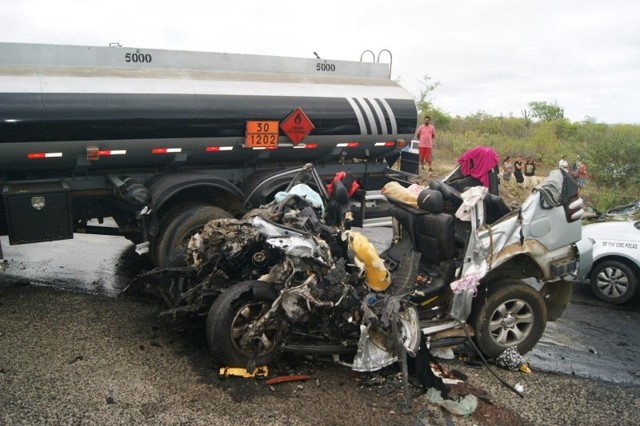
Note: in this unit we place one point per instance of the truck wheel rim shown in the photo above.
(612, 282)
(511, 322)
(245, 316)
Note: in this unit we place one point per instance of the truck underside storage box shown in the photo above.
(37, 212)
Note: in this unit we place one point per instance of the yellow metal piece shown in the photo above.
(242, 372)
(426, 302)
(525, 369)
(376, 273)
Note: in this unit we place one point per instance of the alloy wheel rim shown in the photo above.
(511, 322)
(245, 316)
(612, 282)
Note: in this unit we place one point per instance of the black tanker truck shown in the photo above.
(163, 141)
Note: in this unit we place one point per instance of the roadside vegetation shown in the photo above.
(611, 152)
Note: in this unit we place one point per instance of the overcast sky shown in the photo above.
(488, 55)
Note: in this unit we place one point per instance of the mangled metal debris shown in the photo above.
(291, 277)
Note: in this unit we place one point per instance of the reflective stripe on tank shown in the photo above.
(165, 150)
(36, 155)
(107, 152)
(218, 148)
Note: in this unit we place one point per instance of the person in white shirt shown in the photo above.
(564, 164)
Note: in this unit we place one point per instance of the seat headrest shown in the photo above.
(449, 193)
(340, 193)
(430, 200)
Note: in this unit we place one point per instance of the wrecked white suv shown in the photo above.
(512, 263)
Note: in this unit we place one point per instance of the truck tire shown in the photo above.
(613, 282)
(505, 314)
(231, 313)
(176, 285)
(179, 225)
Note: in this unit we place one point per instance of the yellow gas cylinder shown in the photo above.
(376, 273)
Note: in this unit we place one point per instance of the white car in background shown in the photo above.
(615, 273)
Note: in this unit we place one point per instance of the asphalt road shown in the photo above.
(83, 356)
(592, 340)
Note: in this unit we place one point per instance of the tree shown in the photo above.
(440, 118)
(527, 121)
(423, 103)
(612, 158)
(544, 111)
(484, 123)
(543, 141)
(426, 107)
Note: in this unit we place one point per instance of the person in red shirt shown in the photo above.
(581, 174)
(425, 134)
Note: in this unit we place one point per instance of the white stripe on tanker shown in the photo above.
(392, 117)
(369, 115)
(120, 85)
(378, 111)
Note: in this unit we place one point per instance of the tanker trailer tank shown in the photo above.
(163, 141)
(134, 106)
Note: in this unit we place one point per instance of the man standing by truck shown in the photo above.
(425, 134)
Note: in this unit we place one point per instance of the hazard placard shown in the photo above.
(261, 134)
(296, 126)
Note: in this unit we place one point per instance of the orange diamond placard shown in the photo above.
(297, 126)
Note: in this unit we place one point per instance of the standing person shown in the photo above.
(574, 167)
(564, 164)
(517, 172)
(507, 170)
(530, 173)
(581, 174)
(425, 134)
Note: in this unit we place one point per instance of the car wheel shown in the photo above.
(613, 282)
(508, 313)
(230, 316)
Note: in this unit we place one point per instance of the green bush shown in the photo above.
(604, 199)
(610, 152)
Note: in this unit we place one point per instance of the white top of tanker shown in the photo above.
(50, 55)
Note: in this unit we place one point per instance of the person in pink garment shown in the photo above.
(425, 134)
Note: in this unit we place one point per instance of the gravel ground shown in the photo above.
(71, 358)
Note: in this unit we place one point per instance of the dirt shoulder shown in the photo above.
(77, 358)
